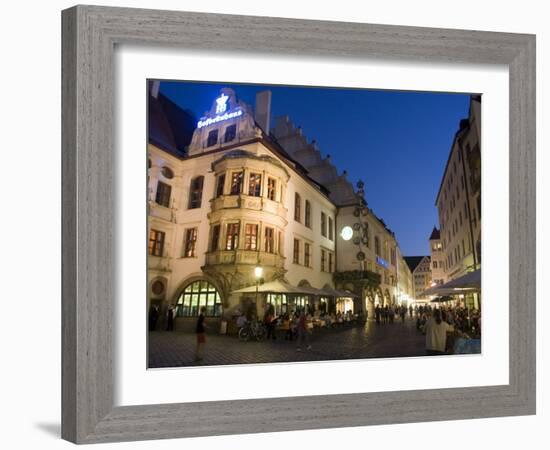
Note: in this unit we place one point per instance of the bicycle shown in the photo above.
(255, 330)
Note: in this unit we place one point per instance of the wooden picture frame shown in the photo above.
(89, 35)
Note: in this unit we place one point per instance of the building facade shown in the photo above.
(421, 269)
(459, 200)
(241, 196)
(437, 256)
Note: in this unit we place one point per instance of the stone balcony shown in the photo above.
(249, 257)
(247, 202)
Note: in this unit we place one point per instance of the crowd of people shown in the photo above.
(449, 329)
(298, 324)
(444, 327)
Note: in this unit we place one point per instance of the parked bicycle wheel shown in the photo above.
(244, 334)
(261, 333)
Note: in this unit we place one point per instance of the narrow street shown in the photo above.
(176, 349)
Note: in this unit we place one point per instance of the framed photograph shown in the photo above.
(284, 218)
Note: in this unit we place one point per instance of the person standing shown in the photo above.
(153, 317)
(301, 328)
(170, 318)
(201, 334)
(436, 334)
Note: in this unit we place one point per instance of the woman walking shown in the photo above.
(201, 335)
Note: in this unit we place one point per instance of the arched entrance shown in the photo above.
(197, 294)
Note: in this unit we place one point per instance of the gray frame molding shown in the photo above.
(89, 36)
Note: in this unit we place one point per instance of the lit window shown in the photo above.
(236, 183)
(232, 238)
(190, 242)
(250, 236)
(156, 242)
(254, 184)
(195, 296)
(271, 188)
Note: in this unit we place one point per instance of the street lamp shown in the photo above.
(258, 272)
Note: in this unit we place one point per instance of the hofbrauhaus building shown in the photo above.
(243, 216)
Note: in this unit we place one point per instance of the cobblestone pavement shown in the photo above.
(176, 349)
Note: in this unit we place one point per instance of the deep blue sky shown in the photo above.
(396, 142)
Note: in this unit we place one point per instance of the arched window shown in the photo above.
(195, 192)
(196, 295)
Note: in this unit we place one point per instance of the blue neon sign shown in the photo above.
(382, 262)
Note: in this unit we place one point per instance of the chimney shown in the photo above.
(262, 112)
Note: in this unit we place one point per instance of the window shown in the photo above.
(330, 266)
(330, 229)
(254, 184)
(296, 252)
(163, 194)
(195, 296)
(156, 242)
(215, 238)
(307, 255)
(307, 218)
(377, 246)
(323, 224)
(195, 192)
(190, 242)
(460, 218)
(167, 173)
(435, 264)
(251, 236)
(271, 188)
(212, 138)
(323, 260)
(280, 244)
(236, 183)
(232, 237)
(392, 256)
(269, 246)
(230, 133)
(463, 248)
(297, 207)
(220, 185)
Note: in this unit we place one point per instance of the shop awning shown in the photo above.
(330, 292)
(282, 287)
(275, 287)
(471, 282)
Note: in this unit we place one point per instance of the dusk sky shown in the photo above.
(396, 142)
